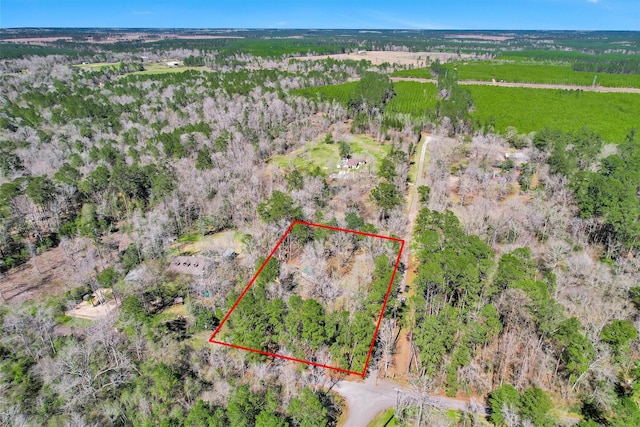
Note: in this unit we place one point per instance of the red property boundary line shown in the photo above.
(384, 304)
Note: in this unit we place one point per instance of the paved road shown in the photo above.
(369, 398)
(529, 85)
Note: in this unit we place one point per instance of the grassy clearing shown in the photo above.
(454, 416)
(384, 419)
(195, 243)
(199, 339)
(162, 68)
(612, 115)
(97, 66)
(191, 237)
(78, 323)
(172, 313)
(520, 72)
(317, 154)
(149, 69)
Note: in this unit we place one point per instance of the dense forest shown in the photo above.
(143, 185)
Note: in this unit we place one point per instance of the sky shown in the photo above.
(356, 14)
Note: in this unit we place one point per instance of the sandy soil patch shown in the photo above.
(86, 309)
(399, 366)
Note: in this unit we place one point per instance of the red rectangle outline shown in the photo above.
(306, 362)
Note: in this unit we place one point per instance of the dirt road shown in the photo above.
(527, 85)
(367, 399)
(414, 196)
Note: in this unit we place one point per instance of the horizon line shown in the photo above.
(322, 29)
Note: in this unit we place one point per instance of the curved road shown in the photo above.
(371, 397)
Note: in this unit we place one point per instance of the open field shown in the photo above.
(326, 156)
(149, 69)
(97, 66)
(162, 68)
(197, 244)
(610, 114)
(529, 73)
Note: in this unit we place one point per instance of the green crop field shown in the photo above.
(339, 93)
(529, 73)
(610, 114)
(560, 56)
(412, 98)
(418, 73)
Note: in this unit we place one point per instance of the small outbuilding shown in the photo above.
(229, 255)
